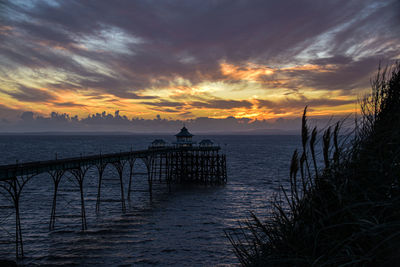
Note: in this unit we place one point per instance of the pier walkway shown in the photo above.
(170, 164)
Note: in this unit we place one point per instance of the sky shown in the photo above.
(125, 64)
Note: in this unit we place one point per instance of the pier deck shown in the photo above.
(170, 164)
(9, 172)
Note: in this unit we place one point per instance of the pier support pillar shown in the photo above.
(149, 162)
(168, 172)
(119, 166)
(131, 164)
(14, 188)
(56, 177)
(100, 168)
(79, 175)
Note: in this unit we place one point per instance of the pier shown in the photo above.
(179, 163)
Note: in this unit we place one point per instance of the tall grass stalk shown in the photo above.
(346, 213)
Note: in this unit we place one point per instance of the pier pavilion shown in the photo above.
(184, 138)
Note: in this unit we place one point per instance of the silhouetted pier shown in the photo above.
(180, 163)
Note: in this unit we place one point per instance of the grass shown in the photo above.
(346, 212)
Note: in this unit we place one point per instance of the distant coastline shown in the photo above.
(249, 132)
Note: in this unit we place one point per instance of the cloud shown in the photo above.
(27, 116)
(300, 103)
(164, 104)
(28, 94)
(222, 104)
(137, 55)
(334, 73)
(150, 45)
(9, 114)
(107, 122)
(204, 103)
(167, 110)
(68, 104)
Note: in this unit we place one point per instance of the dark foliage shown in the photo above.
(347, 212)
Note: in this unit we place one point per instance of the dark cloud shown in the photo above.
(374, 31)
(164, 104)
(8, 113)
(222, 104)
(300, 103)
(131, 95)
(345, 75)
(337, 60)
(167, 110)
(136, 96)
(176, 106)
(27, 116)
(28, 94)
(150, 44)
(204, 103)
(67, 104)
(107, 122)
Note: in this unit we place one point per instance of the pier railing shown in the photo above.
(172, 164)
(10, 171)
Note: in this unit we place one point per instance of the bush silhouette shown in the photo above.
(346, 212)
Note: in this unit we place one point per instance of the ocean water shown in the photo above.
(181, 228)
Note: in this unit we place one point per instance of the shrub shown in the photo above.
(346, 212)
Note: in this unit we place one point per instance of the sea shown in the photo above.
(184, 227)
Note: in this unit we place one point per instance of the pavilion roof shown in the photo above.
(184, 133)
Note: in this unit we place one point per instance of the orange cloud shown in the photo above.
(215, 99)
(310, 67)
(5, 30)
(254, 72)
(250, 72)
(60, 46)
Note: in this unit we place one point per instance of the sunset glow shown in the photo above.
(90, 64)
